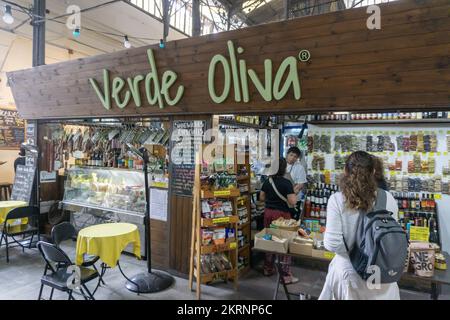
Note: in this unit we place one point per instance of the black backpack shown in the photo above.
(381, 242)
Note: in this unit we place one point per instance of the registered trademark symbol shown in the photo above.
(304, 55)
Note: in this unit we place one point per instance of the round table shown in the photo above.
(107, 241)
(7, 206)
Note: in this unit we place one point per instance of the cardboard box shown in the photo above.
(304, 247)
(270, 245)
(322, 254)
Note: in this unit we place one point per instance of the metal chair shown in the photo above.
(61, 272)
(66, 231)
(14, 230)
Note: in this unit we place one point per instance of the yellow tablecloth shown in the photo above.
(7, 206)
(107, 241)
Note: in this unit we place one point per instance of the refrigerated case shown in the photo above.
(103, 195)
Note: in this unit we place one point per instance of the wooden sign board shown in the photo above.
(329, 62)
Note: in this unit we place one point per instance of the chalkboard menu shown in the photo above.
(23, 183)
(187, 138)
(12, 129)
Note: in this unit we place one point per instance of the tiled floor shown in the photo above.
(20, 280)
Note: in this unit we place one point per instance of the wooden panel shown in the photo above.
(405, 65)
(180, 217)
(160, 244)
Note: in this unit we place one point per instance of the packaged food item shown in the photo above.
(422, 259)
(219, 236)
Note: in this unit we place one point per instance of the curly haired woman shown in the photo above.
(359, 191)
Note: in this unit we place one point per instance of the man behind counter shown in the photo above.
(296, 173)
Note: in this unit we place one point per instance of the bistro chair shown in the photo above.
(66, 231)
(58, 263)
(30, 229)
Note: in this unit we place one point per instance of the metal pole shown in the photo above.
(147, 231)
(287, 9)
(166, 18)
(38, 33)
(196, 24)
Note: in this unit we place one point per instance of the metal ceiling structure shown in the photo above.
(223, 15)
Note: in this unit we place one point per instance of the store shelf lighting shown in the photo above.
(8, 17)
(126, 42)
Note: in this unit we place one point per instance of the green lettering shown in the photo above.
(234, 71)
(134, 88)
(211, 77)
(117, 85)
(104, 97)
(244, 82)
(292, 79)
(264, 91)
(169, 78)
(153, 76)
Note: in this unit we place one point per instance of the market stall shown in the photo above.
(267, 70)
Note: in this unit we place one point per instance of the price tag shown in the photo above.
(432, 154)
(391, 153)
(221, 220)
(392, 173)
(438, 154)
(438, 196)
(445, 153)
(222, 193)
(233, 245)
(400, 154)
(419, 234)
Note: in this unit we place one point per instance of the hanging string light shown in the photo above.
(8, 17)
(76, 32)
(126, 43)
(162, 45)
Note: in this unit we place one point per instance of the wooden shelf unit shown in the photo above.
(197, 249)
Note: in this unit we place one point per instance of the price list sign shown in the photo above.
(187, 139)
(23, 183)
(12, 129)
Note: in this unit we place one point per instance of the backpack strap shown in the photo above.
(381, 200)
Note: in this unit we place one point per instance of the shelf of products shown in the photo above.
(417, 210)
(392, 117)
(315, 209)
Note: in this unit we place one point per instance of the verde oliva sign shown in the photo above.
(236, 76)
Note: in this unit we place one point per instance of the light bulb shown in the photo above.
(126, 43)
(162, 44)
(76, 32)
(7, 17)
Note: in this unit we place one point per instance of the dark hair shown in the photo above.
(22, 152)
(379, 173)
(282, 165)
(358, 183)
(294, 150)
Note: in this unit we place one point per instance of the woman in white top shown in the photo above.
(358, 193)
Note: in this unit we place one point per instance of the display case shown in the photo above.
(110, 189)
